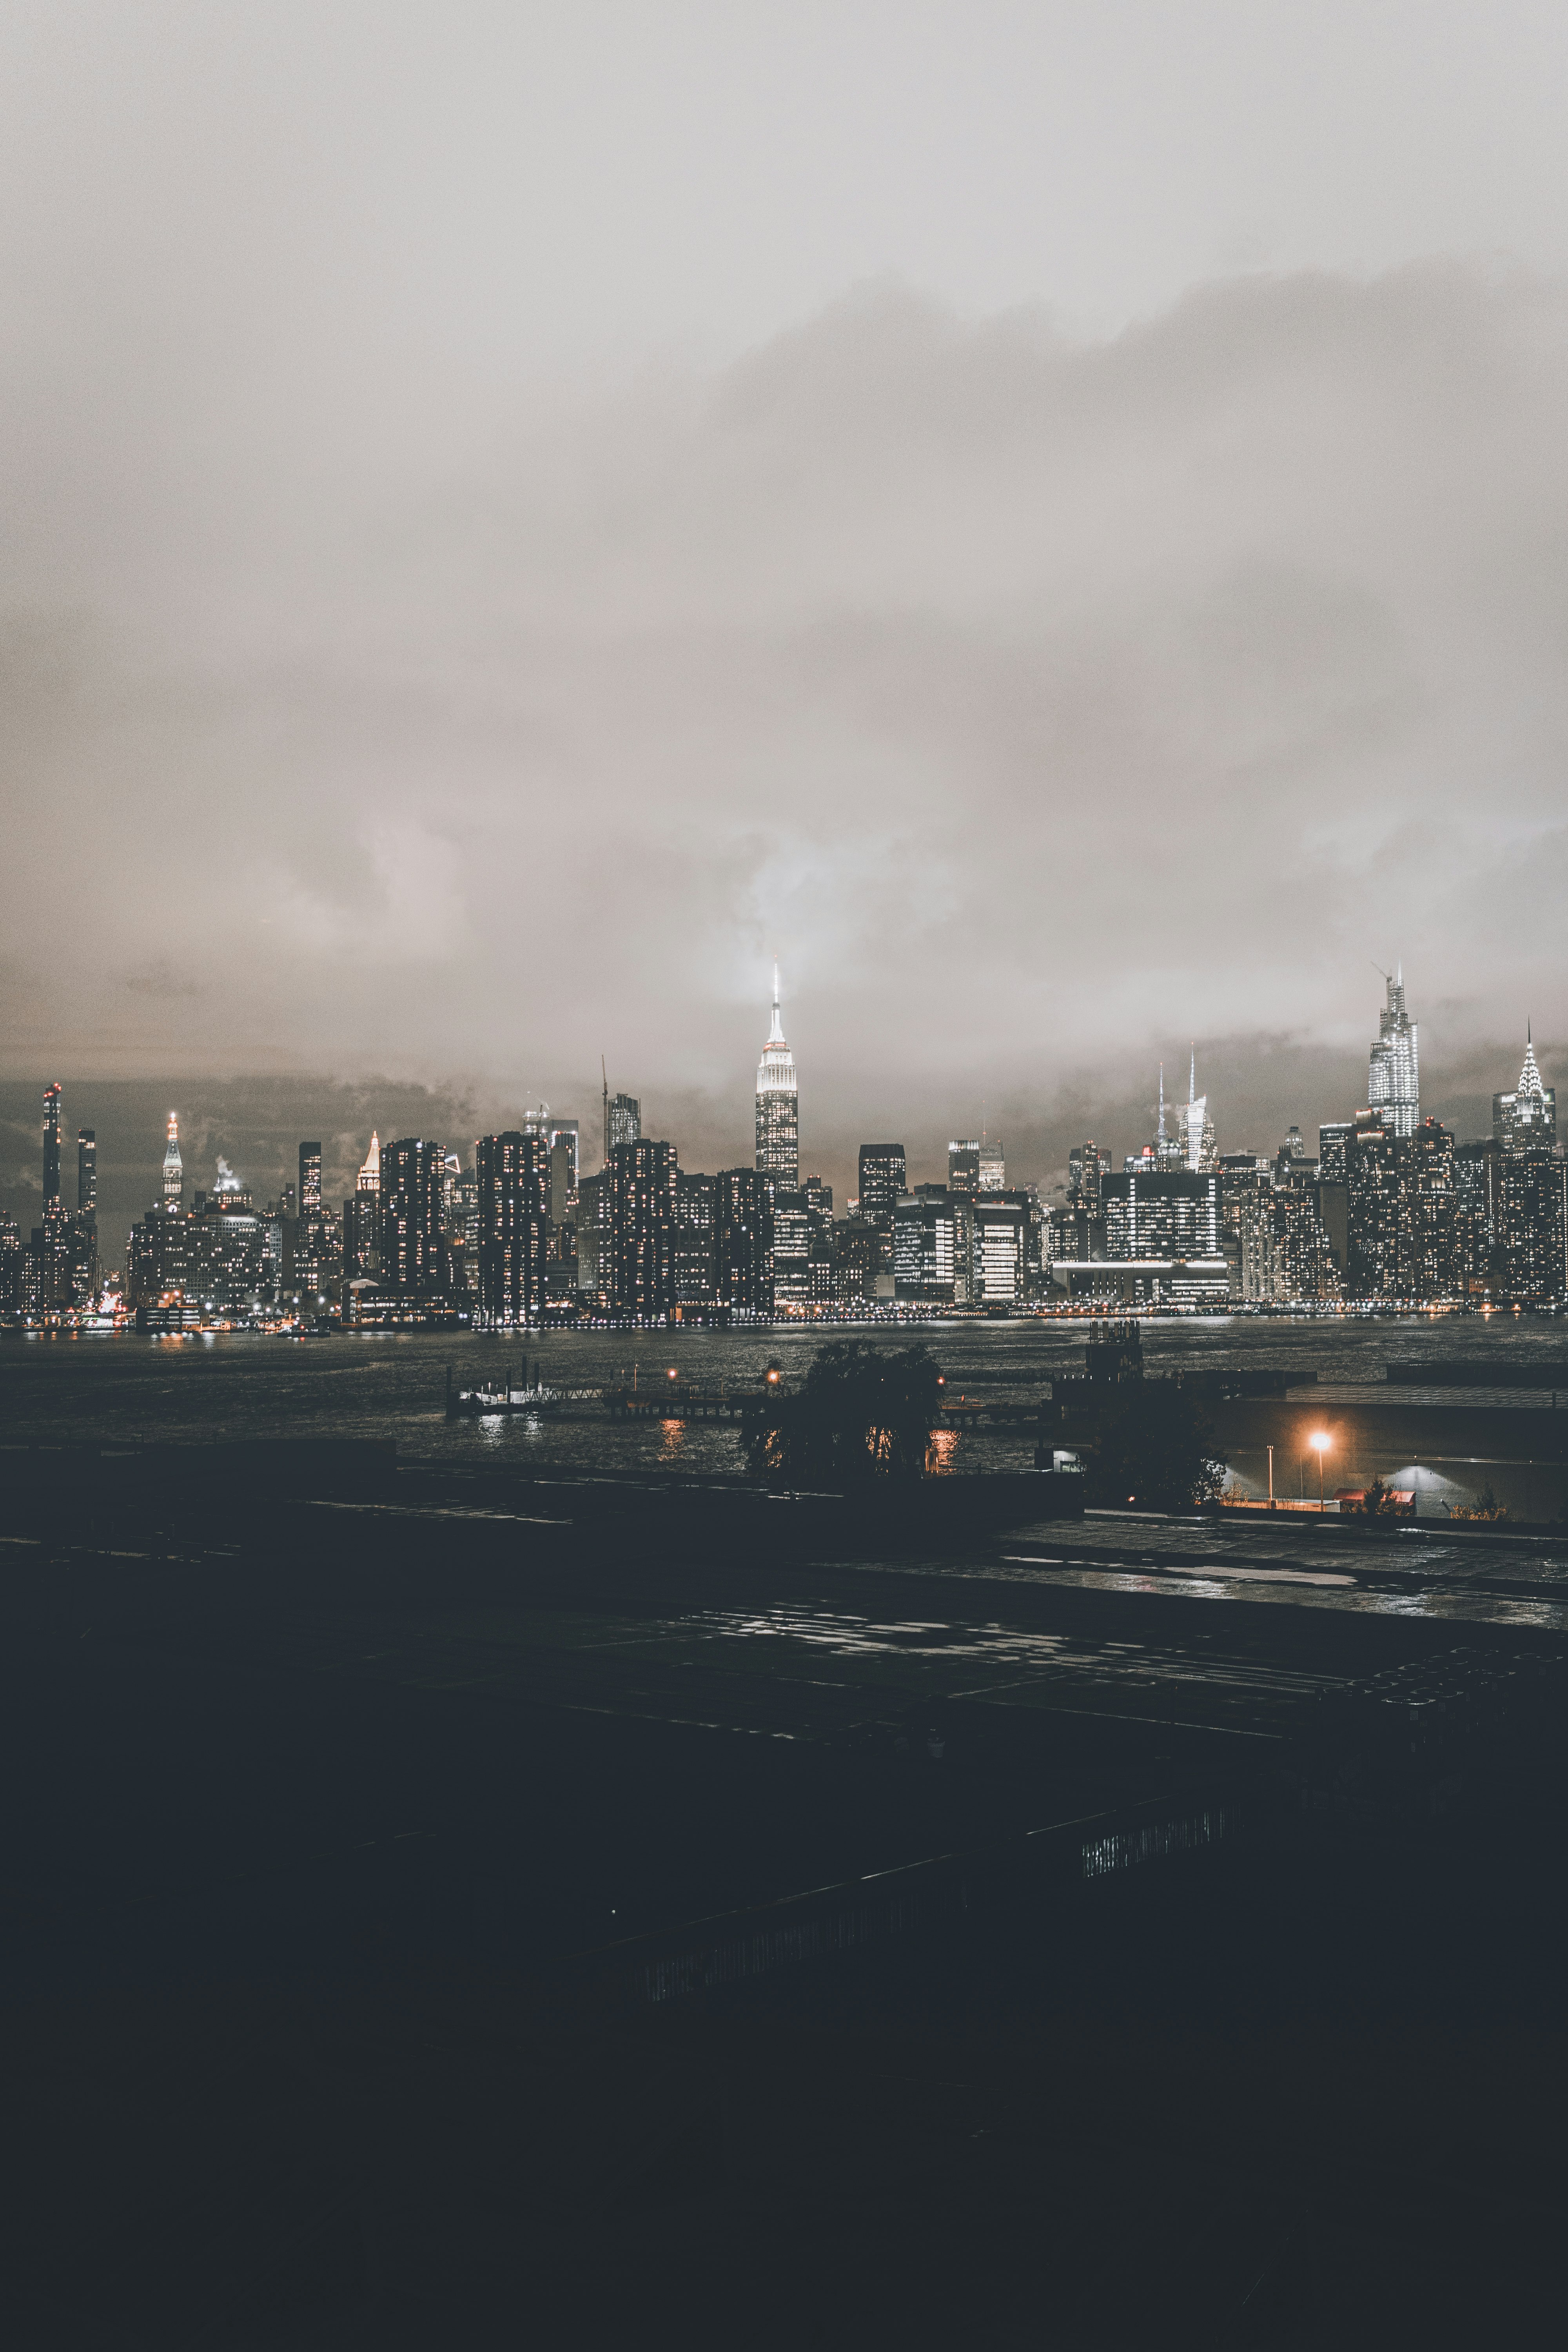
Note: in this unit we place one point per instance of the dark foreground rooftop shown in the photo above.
(447, 1908)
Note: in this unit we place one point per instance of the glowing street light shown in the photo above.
(1320, 1441)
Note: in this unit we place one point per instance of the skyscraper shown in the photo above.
(563, 1136)
(85, 1250)
(369, 1177)
(882, 1178)
(51, 1150)
(1532, 1192)
(694, 1239)
(1393, 1079)
(514, 1176)
(1528, 1117)
(413, 1254)
(643, 1221)
(993, 1165)
(624, 1123)
(963, 1167)
(743, 1244)
(174, 1167)
(778, 1109)
(1197, 1128)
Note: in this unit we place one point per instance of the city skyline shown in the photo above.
(545, 1186)
(255, 1123)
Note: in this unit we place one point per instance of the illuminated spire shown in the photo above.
(778, 1126)
(1193, 1078)
(369, 1178)
(174, 1166)
(1530, 1079)
(1161, 1137)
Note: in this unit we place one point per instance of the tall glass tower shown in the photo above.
(51, 1150)
(778, 1110)
(1393, 1079)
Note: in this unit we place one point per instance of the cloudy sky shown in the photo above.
(1054, 519)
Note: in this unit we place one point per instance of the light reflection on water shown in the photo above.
(393, 1383)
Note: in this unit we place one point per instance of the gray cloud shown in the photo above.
(376, 700)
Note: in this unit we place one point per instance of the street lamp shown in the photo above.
(1320, 1441)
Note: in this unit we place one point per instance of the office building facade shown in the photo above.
(511, 1182)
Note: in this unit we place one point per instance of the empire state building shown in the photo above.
(778, 1115)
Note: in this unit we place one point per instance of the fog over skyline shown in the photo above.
(1053, 521)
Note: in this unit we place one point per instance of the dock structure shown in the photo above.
(675, 1400)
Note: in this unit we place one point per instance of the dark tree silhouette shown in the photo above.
(861, 1412)
(1150, 1450)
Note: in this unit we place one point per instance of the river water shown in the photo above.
(236, 1384)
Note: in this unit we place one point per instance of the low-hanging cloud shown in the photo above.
(1044, 703)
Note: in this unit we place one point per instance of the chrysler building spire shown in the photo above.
(778, 1113)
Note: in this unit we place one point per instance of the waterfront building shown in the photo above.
(744, 1245)
(1477, 1177)
(1286, 1256)
(10, 1266)
(696, 1278)
(309, 1242)
(778, 1107)
(926, 1244)
(413, 1237)
(858, 1252)
(1001, 1233)
(1156, 1240)
(593, 1239)
(883, 1179)
(173, 1169)
(1373, 1188)
(159, 1257)
(225, 1245)
(791, 1250)
(643, 1214)
(1394, 1076)
(1533, 1224)
(511, 1188)
(1429, 1261)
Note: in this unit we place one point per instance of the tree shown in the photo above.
(861, 1412)
(1150, 1450)
(1377, 1504)
(1485, 1507)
